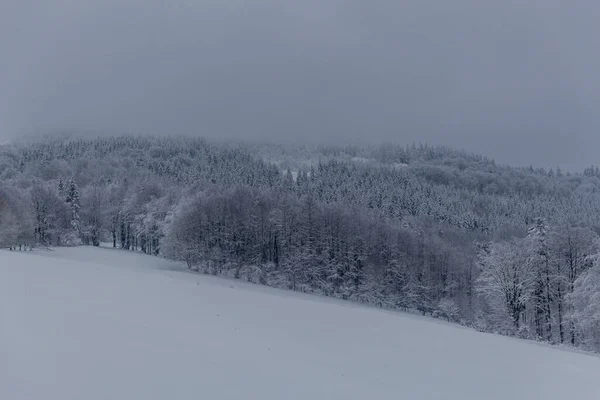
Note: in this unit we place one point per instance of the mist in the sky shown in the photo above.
(515, 80)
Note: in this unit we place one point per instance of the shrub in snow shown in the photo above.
(447, 309)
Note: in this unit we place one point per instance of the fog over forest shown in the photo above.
(516, 81)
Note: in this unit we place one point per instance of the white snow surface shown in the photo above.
(85, 323)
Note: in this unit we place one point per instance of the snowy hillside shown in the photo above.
(88, 323)
(430, 229)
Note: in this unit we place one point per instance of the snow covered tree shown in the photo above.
(93, 214)
(585, 299)
(51, 217)
(9, 225)
(543, 292)
(507, 282)
(572, 248)
(74, 203)
(61, 188)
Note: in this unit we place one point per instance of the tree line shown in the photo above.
(418, 228)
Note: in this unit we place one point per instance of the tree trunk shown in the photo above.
(560, 316)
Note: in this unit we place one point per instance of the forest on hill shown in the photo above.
(417, 228)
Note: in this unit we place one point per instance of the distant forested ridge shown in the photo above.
(417, 228)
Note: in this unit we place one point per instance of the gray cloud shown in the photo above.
(516, 80)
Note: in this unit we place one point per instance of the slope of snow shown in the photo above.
(89, 323)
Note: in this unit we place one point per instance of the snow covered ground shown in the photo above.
(88, 323)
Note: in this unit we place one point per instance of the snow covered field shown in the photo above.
(88, 323)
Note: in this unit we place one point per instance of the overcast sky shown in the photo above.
(515, 80)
